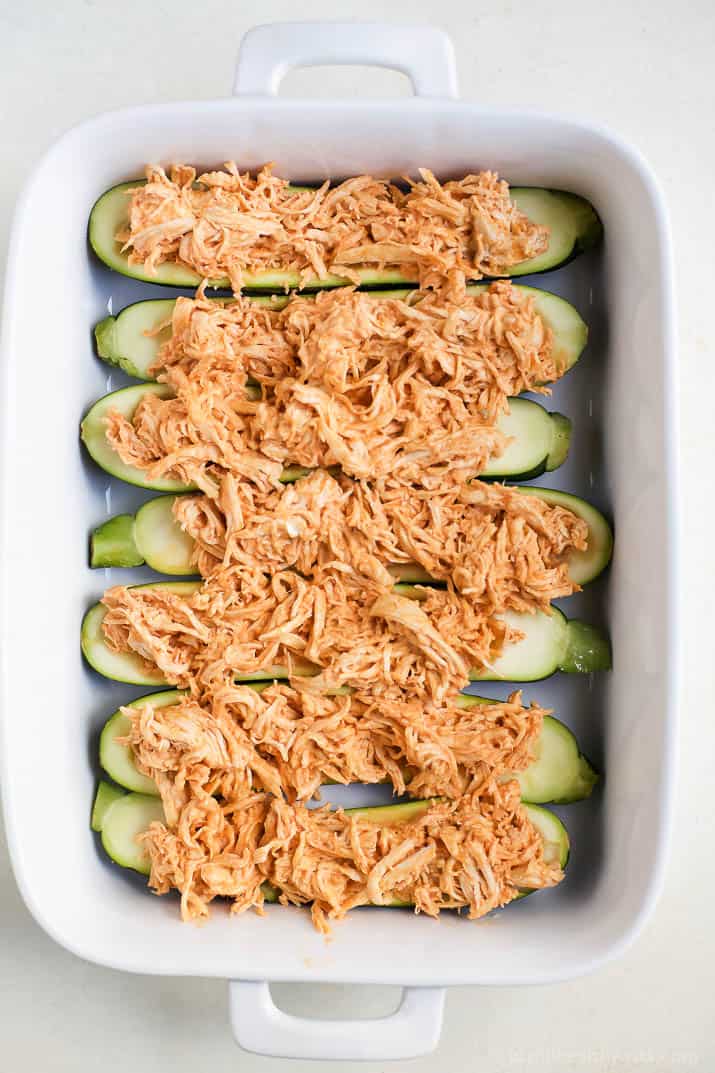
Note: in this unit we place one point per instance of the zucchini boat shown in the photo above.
(539, 440)
(121, 818)
(551, 643)
(131, 340)
(153, 536)
(572, 221)
(559, 774)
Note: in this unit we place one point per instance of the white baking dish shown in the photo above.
(621, 398)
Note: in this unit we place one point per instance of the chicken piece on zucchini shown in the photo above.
(539, 441)
(535, 851)
(132, 339)
(550, 643)
(154, 536)
(556, 226)
(557, 771)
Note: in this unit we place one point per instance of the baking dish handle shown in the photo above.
(423, 53)
(261, 1027)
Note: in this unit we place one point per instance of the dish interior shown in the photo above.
(619, 400)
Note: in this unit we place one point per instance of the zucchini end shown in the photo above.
(582, 784)
(105, 337)
(561, 441)
(104, 340)
(112, 544)
(587, 649)
(590, 232)
(106, 796)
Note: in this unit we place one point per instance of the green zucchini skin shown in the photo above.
(560, 773)
(574, 225)
(561, 442)
(131, 340)
(112, 544)
(539, 441)
(552, 643)
(587, 650)
(129, 815)
(154, 537)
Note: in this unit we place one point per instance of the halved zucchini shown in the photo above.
(539, 440)
(122, 666)
(109, 215)
(93, 434)
(584, 566)
(153, 536)
(559, 773)
(573, 223)
(132, 339)
(550, 643)
(116, 758)
(557, 847)
(130, 815)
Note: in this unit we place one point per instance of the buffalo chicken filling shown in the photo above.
(477, 852)
(501, 548)
(377, 386)
(288, 742)
(404, 395)
(322, 634)
(224, 224)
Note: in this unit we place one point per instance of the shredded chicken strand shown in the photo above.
(287, 742)
(502, 548)
(224, 224)
(327, 634)
(476, 853)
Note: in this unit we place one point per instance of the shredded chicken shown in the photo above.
(225, 224)
(378, 387)
(489, 344)
(289, 742)
(245, 337)
(476, 853)
(405, 394)
(496, 545)
(326, 634)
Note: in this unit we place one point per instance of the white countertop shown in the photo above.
(643, 68)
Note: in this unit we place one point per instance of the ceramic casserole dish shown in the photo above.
(621, 399)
